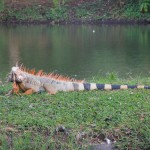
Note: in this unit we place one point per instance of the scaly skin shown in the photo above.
(28, 82)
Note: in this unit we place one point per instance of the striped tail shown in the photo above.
(94, 86)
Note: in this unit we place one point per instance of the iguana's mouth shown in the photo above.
(12, 78)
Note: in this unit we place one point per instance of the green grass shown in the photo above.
(30, 122)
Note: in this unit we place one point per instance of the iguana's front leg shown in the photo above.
(14, 90)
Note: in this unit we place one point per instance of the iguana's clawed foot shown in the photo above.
(9, 93)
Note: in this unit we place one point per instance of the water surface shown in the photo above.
(77, 50)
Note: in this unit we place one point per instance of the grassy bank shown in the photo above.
(75, 11)
(77, 119)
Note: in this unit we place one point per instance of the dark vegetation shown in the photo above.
(74, 11)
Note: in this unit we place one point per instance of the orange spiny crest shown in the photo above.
(49, 75)
(39, 73)
(32, 71)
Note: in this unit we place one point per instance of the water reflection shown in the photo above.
(13, 47)
(76, 50)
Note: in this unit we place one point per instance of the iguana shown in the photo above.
(30, 82)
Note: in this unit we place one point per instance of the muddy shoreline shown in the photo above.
(77, 22)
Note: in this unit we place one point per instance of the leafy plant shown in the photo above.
(56, 13)
(82, 13)
(144, 6)
(1, 5)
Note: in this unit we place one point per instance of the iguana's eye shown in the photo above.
(21, 78)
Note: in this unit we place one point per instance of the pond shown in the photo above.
(81, 51)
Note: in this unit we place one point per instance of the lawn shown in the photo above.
(76, 120)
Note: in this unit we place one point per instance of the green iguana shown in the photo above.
(30, 82)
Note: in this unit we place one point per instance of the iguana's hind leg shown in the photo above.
(28, 92)
(52, 93)
(50, 89)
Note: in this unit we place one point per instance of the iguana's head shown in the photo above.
(16, 75)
